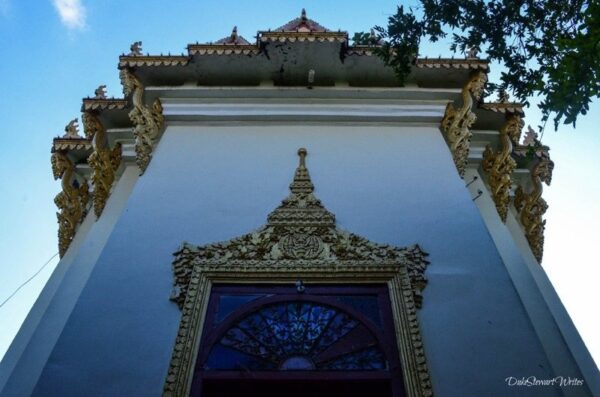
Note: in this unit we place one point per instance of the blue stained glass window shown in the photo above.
(368, 359)
(230, 303)
(297, 335)
(366, 304)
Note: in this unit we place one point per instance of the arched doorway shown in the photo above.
(275, 340)
(373, 287)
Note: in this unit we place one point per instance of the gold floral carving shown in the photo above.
(71, 201)
(299, 241)
(500, 165)
(457, 122)
(103, 161)
(148, 120)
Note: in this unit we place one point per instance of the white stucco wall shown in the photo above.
(557, 333)
(28, 353)
(389, 183)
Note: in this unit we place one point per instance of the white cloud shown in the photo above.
(72, 13)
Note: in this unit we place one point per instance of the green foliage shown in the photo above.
(549, 48)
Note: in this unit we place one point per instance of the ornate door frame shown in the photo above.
(299, 242)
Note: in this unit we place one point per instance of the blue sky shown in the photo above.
(55, 52)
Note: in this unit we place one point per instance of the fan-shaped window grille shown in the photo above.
(325, 340)
(297, 335)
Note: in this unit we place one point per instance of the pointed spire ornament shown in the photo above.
(301, 205)
(302, 184)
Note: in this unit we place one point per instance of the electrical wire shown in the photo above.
(28, 280)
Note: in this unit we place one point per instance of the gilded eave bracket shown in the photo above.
(148, 121)
(103, 161)
(457, 122)
(499, 165)
(528, 200)
(72, 200)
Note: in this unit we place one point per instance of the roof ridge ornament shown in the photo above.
(136, 49)
(233, 39)
(72, 130)
(473, 51)
(302, 24)
(503, 96)
(100, 92)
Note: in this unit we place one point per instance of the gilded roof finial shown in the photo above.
(302, 184)
(531, 137)
(503, 96)
(302, 154)
(72, 130)
(136, 49)
(473, 52)
(303, 15)
(100, 92)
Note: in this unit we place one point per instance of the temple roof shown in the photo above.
(302, 24)
(232, 39)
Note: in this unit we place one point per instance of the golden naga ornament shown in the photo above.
(147, 121)
(71, 201)
(529, 203)
(456, 124)
(500, 165)
(103, 161)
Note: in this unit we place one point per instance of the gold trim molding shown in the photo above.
(71, 201)
(299, 241)
(457, 122)
(148, 121)
(500, 165)
(103, 161)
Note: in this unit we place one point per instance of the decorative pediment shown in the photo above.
(302, 24)
(299, 234)
(233, 39)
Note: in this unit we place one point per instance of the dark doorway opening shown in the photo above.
(278, 340)
(273, 388)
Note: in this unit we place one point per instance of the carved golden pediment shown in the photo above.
(300, 240)
(298, 232)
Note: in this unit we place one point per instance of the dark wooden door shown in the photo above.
(275, 340)
(275, 388)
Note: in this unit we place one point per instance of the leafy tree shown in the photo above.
(550, 47)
